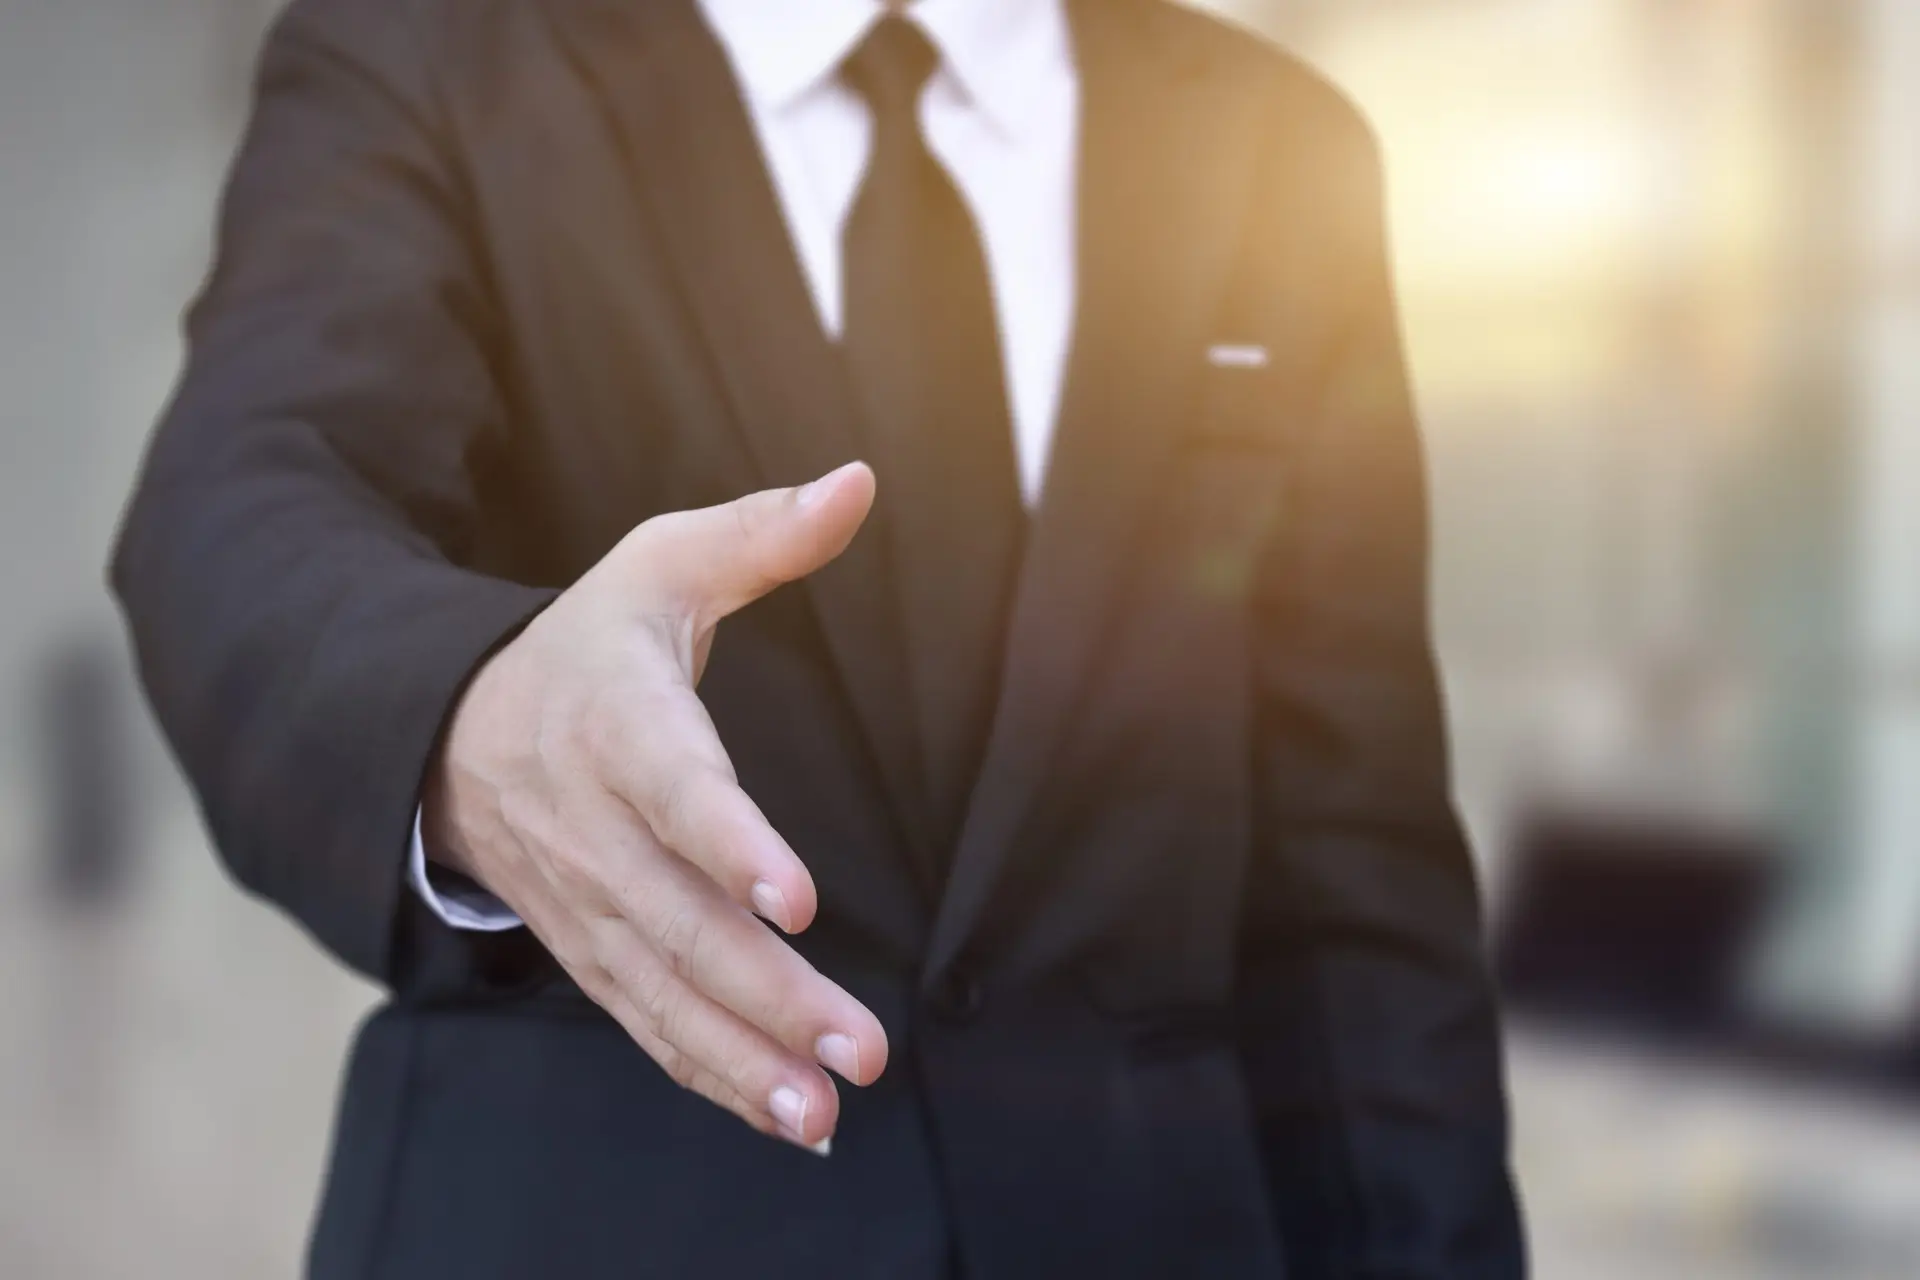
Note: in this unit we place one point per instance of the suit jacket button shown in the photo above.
(957, 999)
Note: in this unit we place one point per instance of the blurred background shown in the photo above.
(1660, 267)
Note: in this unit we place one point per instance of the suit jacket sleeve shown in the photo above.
(290, 561)
(1367, 1015)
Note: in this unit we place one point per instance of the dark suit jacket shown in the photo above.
(1203, 991)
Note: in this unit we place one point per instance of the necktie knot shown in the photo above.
(891, 66)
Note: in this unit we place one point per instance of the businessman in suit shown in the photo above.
(718, 545)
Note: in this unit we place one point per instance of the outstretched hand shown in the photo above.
(582, 781)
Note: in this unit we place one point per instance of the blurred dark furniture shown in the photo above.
(1639, 926)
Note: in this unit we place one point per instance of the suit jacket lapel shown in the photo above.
(1166, 154)
(675, 102)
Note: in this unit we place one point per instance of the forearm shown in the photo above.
(289, 564)
(302, 674)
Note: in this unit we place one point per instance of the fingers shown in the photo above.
(700, 1046)
(603, 807)
(724, 953)
(670, 767)
(709, 939)
(715, 561)
(705, 818)
(707, 1049)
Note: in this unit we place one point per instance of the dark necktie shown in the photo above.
(924, 352)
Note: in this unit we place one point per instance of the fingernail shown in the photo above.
(772, 905)
(813, 492)
(789, 1107)
(841, 1052)
(824, 1147)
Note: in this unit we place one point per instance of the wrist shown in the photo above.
(446, 813)
(439, 832)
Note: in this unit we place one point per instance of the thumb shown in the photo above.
(717, 560)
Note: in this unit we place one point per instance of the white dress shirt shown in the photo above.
(1001, 113)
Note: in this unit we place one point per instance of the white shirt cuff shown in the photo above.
(463, 904)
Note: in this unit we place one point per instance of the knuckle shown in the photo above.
(642, 542)
(523, 812)
(673, 1016)
(673, 806)
(714, 1090)
(575, 871)
(764, 512)
(614, 957)
(594, 979)
(783, 1007)
(681, 936)
(680, 1068)
(748, 518)
(700, 819)
(685, 809)
(651, 992)
(757, 519)
(742, 1069)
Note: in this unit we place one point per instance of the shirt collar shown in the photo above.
(998, 51)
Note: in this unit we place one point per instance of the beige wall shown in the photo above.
(167, 1063)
